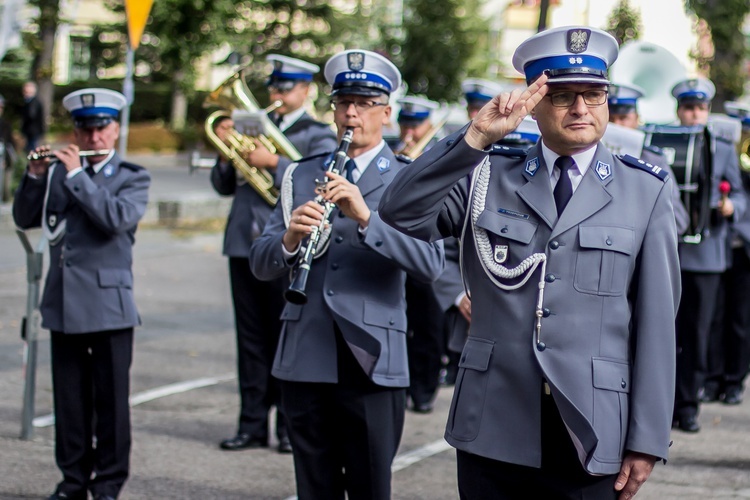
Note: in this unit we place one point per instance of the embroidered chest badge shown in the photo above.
(501, 253)
(108, 171)
(603, 170)
(532, 166)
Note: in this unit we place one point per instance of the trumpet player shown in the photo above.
(414, 121)
(258, 304)
(341, 358)
(89, 210)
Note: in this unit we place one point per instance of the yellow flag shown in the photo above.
(137, 12)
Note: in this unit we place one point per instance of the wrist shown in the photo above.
(475, 139)
(365, 221)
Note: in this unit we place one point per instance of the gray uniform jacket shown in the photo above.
(607, 323)
(89, 285)
(447, 288)
(710, 255)
(358, 283)
(250, 212)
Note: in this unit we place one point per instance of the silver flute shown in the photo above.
(49, 154)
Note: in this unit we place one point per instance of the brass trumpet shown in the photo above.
(49, 154)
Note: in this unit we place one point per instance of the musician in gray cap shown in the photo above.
(88, 202)
(703, 262)
(566, 381)
(342, 357)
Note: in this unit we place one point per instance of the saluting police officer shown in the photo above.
(623, 110)
(564, 389)
(729, 344)
(702, 263)
(258, 304)
(342, 357)
(89, 210)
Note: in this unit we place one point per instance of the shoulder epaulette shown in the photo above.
(131, 166)
(654, 170)
(654, 149)
(319, 155)
(404, 158)
(497, 149)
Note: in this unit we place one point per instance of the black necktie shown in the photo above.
(563, 188)
(90, 171)
(276, 119)
(349, 167)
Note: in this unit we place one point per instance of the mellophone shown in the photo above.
(49, 154)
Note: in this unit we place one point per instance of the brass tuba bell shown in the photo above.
(233, 94)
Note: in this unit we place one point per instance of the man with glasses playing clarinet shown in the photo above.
(341, 358)
(88, 202)
(566, 380)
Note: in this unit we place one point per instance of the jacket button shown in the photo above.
(379, 243)
(67, 263)
(341, 215)
(276, 263)
(334, 266)
(329, 292)
(391, 322)
(76, 188)
(550, 278)
(623, 384)
(540, 346)
(504, 230)
(554, 244)
(608, 242)
(339, 239)
(546, 312)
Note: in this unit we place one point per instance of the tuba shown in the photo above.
(234, 95)
(418, 147)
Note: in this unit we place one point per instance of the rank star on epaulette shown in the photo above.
(532, 166)
(603, 170)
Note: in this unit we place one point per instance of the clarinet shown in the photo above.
(296, 291)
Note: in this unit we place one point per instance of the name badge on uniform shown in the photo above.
(603, 170)
(383, 164)
(532, 166)
(501, 253)
(109, 170)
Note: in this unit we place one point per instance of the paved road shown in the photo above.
(187, 334)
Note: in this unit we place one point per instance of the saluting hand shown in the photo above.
(348, 198)
(504, 113)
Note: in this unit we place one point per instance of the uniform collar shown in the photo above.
(367, 157)
(583, 159)
(288, 119)
(100, 165)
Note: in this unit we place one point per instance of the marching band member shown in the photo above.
(565, 389)
(258, 304)
(477, 93)
(702, 263)
(414, 121)
(341, 358)
(89, 210)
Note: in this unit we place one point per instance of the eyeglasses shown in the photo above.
(360, 106)
(567, 98)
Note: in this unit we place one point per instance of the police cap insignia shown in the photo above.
(88, 100)
(578, 40)
(355, 61)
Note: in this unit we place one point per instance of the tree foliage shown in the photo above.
(442, 42)
(725, 19)
(624, 23)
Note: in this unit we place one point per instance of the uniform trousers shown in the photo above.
(426, 321)
(561, 475)
(729, 345)
(344, 435)
(91, 385)
(257, 308)
(694, 318)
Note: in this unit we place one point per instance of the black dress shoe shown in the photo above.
(687, 423)
(61, 495)
(242, 441)
(285, 446)
(710, 393)
(104, 497)
(733, 395)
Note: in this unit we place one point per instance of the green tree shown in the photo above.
(442, 42)
(624, 22)
(725, 19)
(42, 45)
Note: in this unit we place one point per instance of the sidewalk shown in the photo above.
(175, 194)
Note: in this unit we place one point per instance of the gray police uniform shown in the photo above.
(258, 304)
(606, 346)
(345, 347)
(88, 305)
